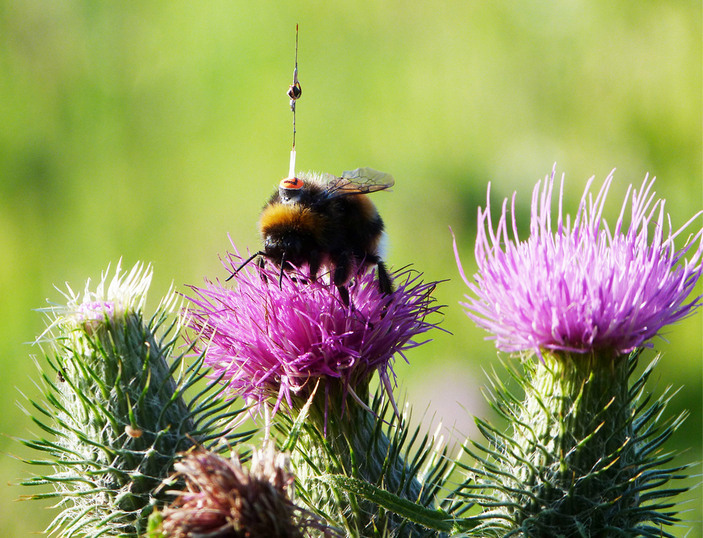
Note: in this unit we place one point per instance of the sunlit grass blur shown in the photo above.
(151, 130)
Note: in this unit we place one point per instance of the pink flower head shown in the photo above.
(582, 287)
(277, 342)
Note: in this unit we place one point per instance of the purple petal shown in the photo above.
(272, 342)
(585, 287)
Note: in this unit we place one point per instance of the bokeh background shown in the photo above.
(152, 130)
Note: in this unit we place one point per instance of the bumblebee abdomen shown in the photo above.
(360, 225)
(366, 209)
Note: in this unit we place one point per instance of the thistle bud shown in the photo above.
(115, 411)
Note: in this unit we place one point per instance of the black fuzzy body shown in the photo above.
(322, 229)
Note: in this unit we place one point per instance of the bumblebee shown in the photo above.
(325, 221)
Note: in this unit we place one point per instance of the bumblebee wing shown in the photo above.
(359, 181)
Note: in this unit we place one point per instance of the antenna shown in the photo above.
(294, 92)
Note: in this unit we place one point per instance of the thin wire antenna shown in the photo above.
(294, 93)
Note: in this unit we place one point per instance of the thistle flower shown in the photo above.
(584, 453)
(300, 343)
(275, 342)
(117, 415)
(224, 499)
(581, 287)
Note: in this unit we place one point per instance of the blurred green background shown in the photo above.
(151, 130)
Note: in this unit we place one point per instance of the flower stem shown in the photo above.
(343, 438)
(579, 417)
(583, 454)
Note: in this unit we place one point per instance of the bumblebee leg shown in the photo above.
(384, 280)
(261, 263)
(314, 265)
(342, 270)
(280, 276)
(343, 294)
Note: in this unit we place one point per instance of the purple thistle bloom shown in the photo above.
(582, 287)
(277, 342)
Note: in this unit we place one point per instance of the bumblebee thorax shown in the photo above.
(279, 218)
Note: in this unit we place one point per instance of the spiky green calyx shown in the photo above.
(116, 409)
(582, 458)
(361, 467)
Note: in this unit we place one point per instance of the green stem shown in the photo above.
(343, 438)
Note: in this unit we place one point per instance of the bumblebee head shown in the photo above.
(290, 190)
(278, 247)
(291, 228)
